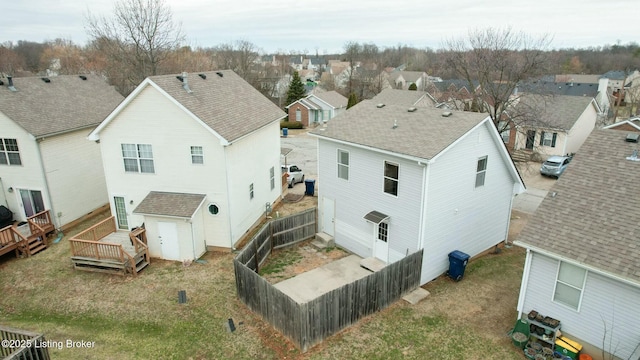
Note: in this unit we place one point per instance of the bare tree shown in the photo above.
(139, 37)
(494, 62)
(240, 57)
(10, 61)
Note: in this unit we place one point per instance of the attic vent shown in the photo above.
(47, 80)
(1, 82)
(82, 77)
(447, 113)
(632, 137)
(412, 109)
(203, 76)
(220, 74)
(180, 78)
(381, 105)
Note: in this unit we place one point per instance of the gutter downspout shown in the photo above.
(4, 195)
(524, 284)
(421, 229)
(513, 195)
(226, 174)
(193, 240)
(46, 186)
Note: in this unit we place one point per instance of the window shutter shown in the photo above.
(542, 138)
(553, 140)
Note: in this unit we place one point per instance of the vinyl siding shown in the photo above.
(604, 299)
(151, 119)
(460, 216)
(363, 192)
(29, 175)
(74, 171)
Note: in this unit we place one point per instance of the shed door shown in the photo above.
(168, 237)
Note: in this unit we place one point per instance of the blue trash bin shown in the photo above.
(285, 132)
(310, 187)
(457, 263)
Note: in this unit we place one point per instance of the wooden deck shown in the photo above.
(34, 350)
(102, 248)
(27, 239)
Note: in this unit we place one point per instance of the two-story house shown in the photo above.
(398, 179)
(45, 161)
(195, 158)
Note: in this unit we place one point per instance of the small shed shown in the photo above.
(174, 224)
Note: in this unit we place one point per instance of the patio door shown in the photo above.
(121, 212)
(168, 236)
(328, 216)
(531, 137)
(32, 201)
(381, 245)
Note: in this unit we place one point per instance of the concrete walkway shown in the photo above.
(311, 284)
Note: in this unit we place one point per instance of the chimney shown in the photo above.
(10, 85)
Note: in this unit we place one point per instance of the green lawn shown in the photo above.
(140, 318)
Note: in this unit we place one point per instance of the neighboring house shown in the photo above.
(558, 125)
(46, 163)
(195, 158)
(453, 92)
(395, 181)
(405, 98)
(632, 124)
(403, 79)
(317, 108)
(582, 247)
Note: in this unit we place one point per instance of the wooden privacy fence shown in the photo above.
(308, 324)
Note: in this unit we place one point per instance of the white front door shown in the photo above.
(381, 242)
(328, 216)
(168, 236)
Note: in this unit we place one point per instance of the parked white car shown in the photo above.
(295, 174)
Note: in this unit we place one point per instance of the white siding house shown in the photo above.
(209, 140)
(395, 181)
(45, 161)
(582, 249)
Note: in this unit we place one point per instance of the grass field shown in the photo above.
(140, 318)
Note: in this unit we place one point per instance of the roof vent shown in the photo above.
(379, 106)
(220, 74)
(395, 124)
(447, 113)
(1, 82)
(634, 156)
(10, 84)
(180, 78)
(45, 79)
(203, 76)
(412, 109)
(632, 137)
(82, 77)
(185, 83)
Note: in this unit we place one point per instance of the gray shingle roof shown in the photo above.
(559, 111)
(398, 97)
(423, 133)
(170, 204)
(333, 98)
(228, 104)
(594, 217)
(64, 104)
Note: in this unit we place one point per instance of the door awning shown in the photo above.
(376, 217)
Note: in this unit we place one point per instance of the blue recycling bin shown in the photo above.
(285, 132)
(457, 263)
(310, 187)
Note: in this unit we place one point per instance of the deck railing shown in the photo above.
(22, 344)
(40, 223)
(98, 231)
(97, 250)
(11, 239)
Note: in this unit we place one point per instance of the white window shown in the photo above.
(481, 171)
(272, 177)
(343, 164)
(197, 155)
(391, 178)
(298, 115)
(251, 191)
(569, 285)
(548, 139)
(9, 153)
(138, 158)
(383, 231)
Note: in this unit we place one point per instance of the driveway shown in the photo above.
(537, 187)
(304, 154)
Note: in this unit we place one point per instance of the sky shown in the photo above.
(325, 26)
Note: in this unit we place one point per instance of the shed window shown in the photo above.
(251, 191)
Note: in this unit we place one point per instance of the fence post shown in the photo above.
(255, 256)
